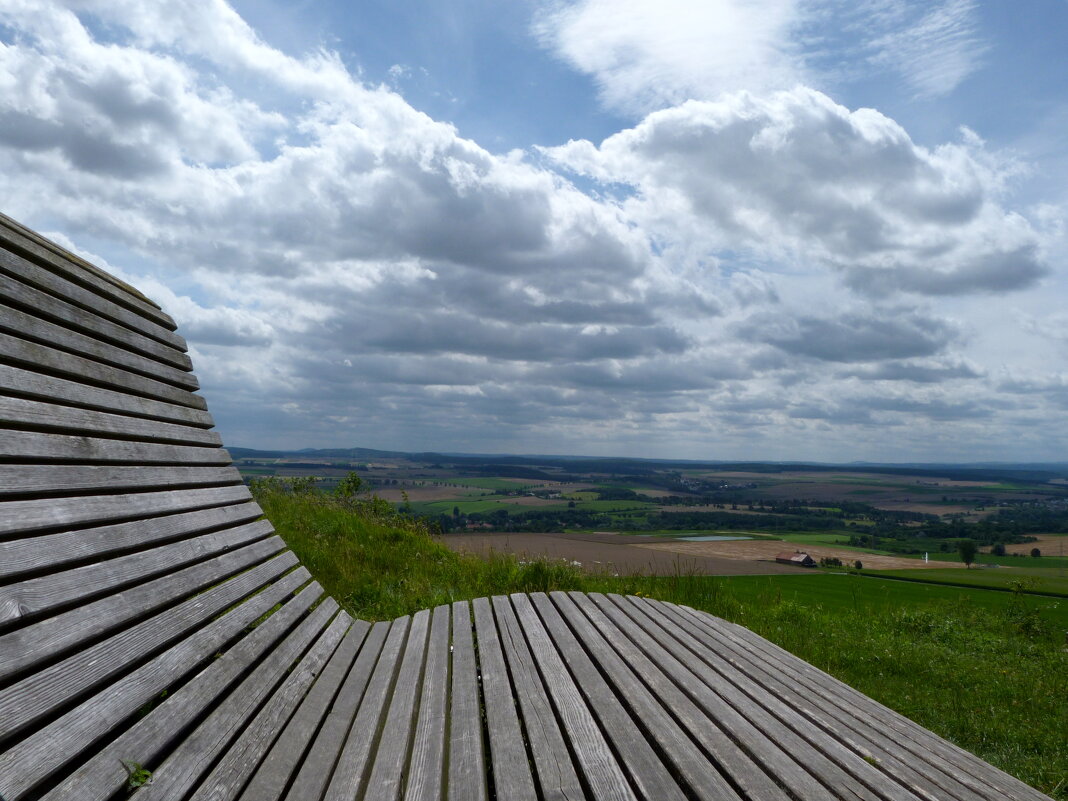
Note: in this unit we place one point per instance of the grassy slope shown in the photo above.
(984, 669)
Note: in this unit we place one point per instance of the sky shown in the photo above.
(825, 230)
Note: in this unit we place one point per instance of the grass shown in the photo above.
(1036, 579)
(985, 669)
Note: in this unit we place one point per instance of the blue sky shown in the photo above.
(767, 229)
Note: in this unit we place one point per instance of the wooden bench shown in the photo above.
(151, 620)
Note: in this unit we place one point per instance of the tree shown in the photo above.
(349, 486)
(998, 549)
(966, 548)
(1035, 552)
(859, 565)
(456, 511)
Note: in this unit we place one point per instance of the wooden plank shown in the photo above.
(427, 766)
(22, 648)
(38, 386)
(25, 353)
(350, 772)
(71, 420)
(148, 740)
(37, 479)
(40, 595)
(923, 746)
(48, 254)
(27, 517)
(87, 321)
(40, 446)
(467, 757)
(508, 755)
(391, 757)
(675, 662)
(556, 773)
(182, 770)
(30, 327)
(289, 749)
(18, 557)
(240, 761)
(34, 759)
(843, 771)
(603, 773)
(667, 716)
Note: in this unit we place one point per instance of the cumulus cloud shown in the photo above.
(796, 175)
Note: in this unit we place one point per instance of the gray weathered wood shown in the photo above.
(240, 761)
(147, 741)
(27, 517)
(426, 767)
(38, 386)
(24, 647)
(35, 758)
(349, 778)
(467, 756)
(55, 551)
(656, 703)
(508, 754)
(45, 593)
(181, 771)
(290, 748)
(87, 321)
(47, 447)
(318, 767)
(604, 775)
(391, 756)
(53, 479)
(31, 327)
(556, 773)
(48, 254)
(26, 353)
(71, 420)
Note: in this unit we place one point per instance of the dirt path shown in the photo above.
(612, 553)
(747, 550)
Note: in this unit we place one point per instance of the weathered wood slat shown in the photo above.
(88, 321)
(871, 744)
(556, 773)
(467, 757)
(27, 517)
(318, 767)
(350, 772)
(148, 740)
(181, 771)
(240, 761)
(55, 551)
(72, 420)
(649, 695)
(41, 595)
(289, 749)
(74, 268)
(924, 745)
(604, 775)
(38, 386)
(34, 479)
(33, 760)
(25, 353)
(391, 756)
(426, 767)
(39, 446)
(28, 326)
(836, 766)
(508, 754)
(22, 648)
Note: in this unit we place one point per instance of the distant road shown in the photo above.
(612, 553)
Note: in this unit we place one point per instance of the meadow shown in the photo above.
(986, 669)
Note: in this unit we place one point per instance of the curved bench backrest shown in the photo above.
(124, 529)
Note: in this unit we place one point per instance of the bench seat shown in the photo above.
(155, 631)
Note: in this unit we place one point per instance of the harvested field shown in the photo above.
(1049, 544)
(612, 553)
(755, 550)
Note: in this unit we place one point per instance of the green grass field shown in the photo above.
(489, 483)
(985, 669)
(1038, 579)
